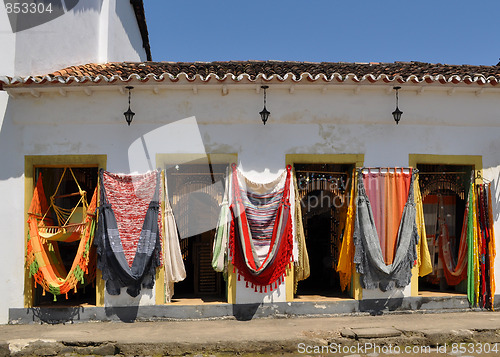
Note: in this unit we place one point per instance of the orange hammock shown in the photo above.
(43, 259)
(453, 272)
(71, 221)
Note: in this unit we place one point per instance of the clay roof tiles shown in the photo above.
(401, 72)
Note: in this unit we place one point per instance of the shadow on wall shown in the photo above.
(245, 312)
(54, 316)
(83, 5)
(495, 199)
(126, 15)
(376, 306)
(11, 143)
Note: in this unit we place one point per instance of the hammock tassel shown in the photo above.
(265, 289)
(66, 296)
(43, 291)
(55, 298)
(246, 284)
(75, 290)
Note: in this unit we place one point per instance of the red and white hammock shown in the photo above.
(261, 230)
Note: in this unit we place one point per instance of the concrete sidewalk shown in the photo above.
(288, 336)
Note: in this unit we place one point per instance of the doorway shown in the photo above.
(196, 192)
(87, 178)
(324, 195)
(444, 190)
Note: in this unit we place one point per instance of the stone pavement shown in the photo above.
(278, 336)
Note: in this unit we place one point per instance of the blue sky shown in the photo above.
(438, 31)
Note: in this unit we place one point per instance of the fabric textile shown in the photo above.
(43, 259)
(219, 251)
(301, 266)
(261, 237)
(128, 217)
(368, 256)
(345, 265)
(172, 256)
(454, 272)
(424, 262)
(388, 193)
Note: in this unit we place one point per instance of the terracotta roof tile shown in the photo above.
(401, 72)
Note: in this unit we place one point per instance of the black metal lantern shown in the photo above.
(264, 114)
(397, 113)
(129, 114)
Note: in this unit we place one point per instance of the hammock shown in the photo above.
(43, 259)
(368, 257)
(261, 234)
(71, 221)
(453, 272)
(128, 240)
(481, 280)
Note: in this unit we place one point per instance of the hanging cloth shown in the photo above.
(491, 251)
(368, 256)
(172, 256)
(261, 237)
(43, 259)
(424, 262)
(473, 249)
(346, 256)
(453, 272)
(387, 193)
(301, 266)
(219, 251)
(486, 248)
(128, 240)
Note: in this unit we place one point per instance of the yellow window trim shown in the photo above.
(414, 159)
(30, 163)
(356, 159)
(163, 160)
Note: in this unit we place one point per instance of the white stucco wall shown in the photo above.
(94, 31)
(309, 121)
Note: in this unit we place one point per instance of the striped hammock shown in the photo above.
(261, 235)
(43, 259)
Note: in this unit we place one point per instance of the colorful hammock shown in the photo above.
(43, 259)
(128, 235)
(481, 252)
(261, 234)
(368, 257)
(71, 222)
(454, 272)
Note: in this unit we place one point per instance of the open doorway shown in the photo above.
(64, 187)
(196, 192)
(445, 190)
(324, 195)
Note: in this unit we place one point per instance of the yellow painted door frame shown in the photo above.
(476, 161)
(163, 160)
(355, 159)
(30, 163)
